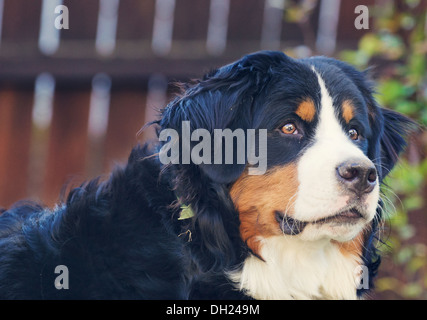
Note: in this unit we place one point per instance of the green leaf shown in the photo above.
(370, 44)
(412, 290)
(416, 264)
(390, 91)
(413, 202)
(406, 232)
(406, 107)
(404, 255)
(417, 65)
(186, 212)
(387, 283)
(424, 116)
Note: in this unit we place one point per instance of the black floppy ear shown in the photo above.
(396, 130)
(222, 100)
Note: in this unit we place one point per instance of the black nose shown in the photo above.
(359, 177)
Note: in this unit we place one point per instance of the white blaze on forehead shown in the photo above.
(329, 132)
(329, 126)
(320, 193)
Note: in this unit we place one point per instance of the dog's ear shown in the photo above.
(396, 130)
(390, 133)
(223, 99)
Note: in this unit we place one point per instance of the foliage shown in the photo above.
(397, 42)
(399, 39)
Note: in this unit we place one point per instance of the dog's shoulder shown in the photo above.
(110, 235)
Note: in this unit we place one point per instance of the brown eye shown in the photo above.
(289, 128)
(353, 134)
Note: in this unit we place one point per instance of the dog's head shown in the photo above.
(328, 145)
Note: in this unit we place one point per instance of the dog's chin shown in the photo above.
(341, 227)
(341, 232)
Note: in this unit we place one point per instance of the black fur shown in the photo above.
(121, 238)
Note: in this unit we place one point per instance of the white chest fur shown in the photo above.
(295, 269)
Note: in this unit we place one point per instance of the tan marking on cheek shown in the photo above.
(257, 198)
(306, 110)
(353, 247)
(347, 111)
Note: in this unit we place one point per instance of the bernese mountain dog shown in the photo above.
(306, 228)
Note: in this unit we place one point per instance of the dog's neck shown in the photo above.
(295, 269)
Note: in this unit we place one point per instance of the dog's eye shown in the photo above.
(353, 134)
(290, 128)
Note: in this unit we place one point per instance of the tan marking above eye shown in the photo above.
(306, 110)
(347, 111)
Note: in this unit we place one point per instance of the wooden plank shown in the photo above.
(129, 71)
(295, 32)
(126, 118)
(6, 111)
(346, 29)
(191, 20)
(83, 20)
(66, 159)
(135, 19)
(21, 21)
(245, 20)
(15, 132)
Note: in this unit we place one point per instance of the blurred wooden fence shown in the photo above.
(73, 100)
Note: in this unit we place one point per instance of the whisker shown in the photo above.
(285, 214)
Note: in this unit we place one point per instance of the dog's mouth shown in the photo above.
(291, 226)
(348, 216)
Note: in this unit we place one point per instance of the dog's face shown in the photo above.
(329, 145)
(320, 182)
